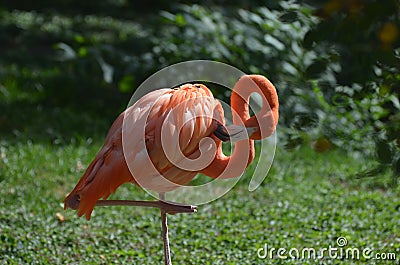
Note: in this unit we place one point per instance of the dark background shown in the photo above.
(67, 68)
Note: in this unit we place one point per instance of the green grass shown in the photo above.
(308, 200)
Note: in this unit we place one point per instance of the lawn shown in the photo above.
(308, 200)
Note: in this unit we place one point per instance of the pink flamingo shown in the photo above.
(112, 167)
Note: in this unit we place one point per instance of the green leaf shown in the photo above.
(126, 83)
(66, 51)
(79, 39)
(274, 42)
(108, 70)
(395, 101)
(83, 51)
(289, 17)
(180, 20)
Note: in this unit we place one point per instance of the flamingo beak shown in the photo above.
(234, 133)
(239, 133)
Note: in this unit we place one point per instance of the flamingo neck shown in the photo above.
(267, 118)
(265, 121)
(233, 166)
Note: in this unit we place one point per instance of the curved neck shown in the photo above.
(267, 118)
(264, 121)
(233, 166)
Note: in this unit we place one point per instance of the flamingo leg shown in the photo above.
(164, 206)
(167, 251)
(168, 207)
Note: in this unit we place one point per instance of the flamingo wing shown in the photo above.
(174, 125)
(189, 114)
(104, 175)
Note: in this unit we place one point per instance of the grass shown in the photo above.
(308, 200)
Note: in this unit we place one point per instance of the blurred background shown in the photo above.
(68, 68)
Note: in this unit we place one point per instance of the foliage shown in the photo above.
(357, 76)
(124, 52)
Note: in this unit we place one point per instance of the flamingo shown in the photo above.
(192, 111)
